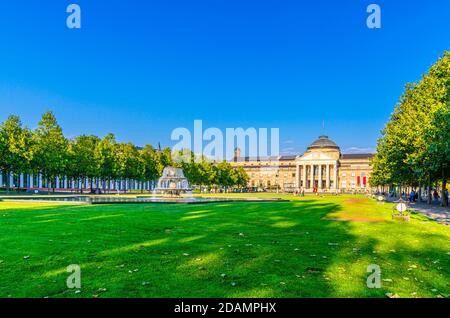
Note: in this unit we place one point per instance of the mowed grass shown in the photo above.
(309, 247)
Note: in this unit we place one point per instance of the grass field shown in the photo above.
(309, 247)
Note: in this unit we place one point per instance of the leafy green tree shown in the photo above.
(242, 178)
(129, 162)
(50, 149)
(207, 173)
(165, 157)
(15, 147)
(105, 157)
(414, 146)
(81, 155)
(223, 175)
(152, 164)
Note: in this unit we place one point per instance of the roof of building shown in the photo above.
(357, 156)
(269, 158)
(323, 142)
(290, 157)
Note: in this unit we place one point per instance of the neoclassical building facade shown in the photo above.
(321, 168)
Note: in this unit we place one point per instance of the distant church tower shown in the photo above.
(237, 154)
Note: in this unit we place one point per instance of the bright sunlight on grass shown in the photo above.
(309, 247)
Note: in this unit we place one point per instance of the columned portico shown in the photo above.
(309, 179)
(323, 155)
(320, 177)
(304, 176)
(328, 177)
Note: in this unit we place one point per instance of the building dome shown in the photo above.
(323, 142)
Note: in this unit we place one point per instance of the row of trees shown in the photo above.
(414, 149)
(47, 151)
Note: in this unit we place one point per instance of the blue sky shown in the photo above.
(140, 69)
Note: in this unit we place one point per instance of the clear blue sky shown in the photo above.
(140, 68)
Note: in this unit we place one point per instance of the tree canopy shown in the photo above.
(415, 144)
(47, 151)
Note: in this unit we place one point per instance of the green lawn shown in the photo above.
(309, 247)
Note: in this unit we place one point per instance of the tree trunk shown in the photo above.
(444, 199)
(8, 185)
(420, 193)
(429, 190)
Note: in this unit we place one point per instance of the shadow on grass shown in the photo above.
(283, 249)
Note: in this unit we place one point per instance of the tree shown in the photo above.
(106, 159)
(414, 147)
(50, 149)
(15, 147)
(223, 175)
(165, 156)
(81, 158)
(151, 163)
(129, 162)
(242, 178)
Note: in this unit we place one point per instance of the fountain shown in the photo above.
(173, 182)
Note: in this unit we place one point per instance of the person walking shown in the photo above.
(435, 196)
(412, 196)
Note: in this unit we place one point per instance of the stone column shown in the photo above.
(297, 177)
(336, 185)
(328, 177)
(304, 176)
(1, 178)
(65, 182)
(40, 181)
(11, 180)
(311, 185)
(31, 183)
(320, 176)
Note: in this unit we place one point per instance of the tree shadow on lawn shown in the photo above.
(238, 250)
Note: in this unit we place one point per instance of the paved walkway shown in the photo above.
(433, 211)
(436, 212)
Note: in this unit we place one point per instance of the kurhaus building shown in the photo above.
(321, 168)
